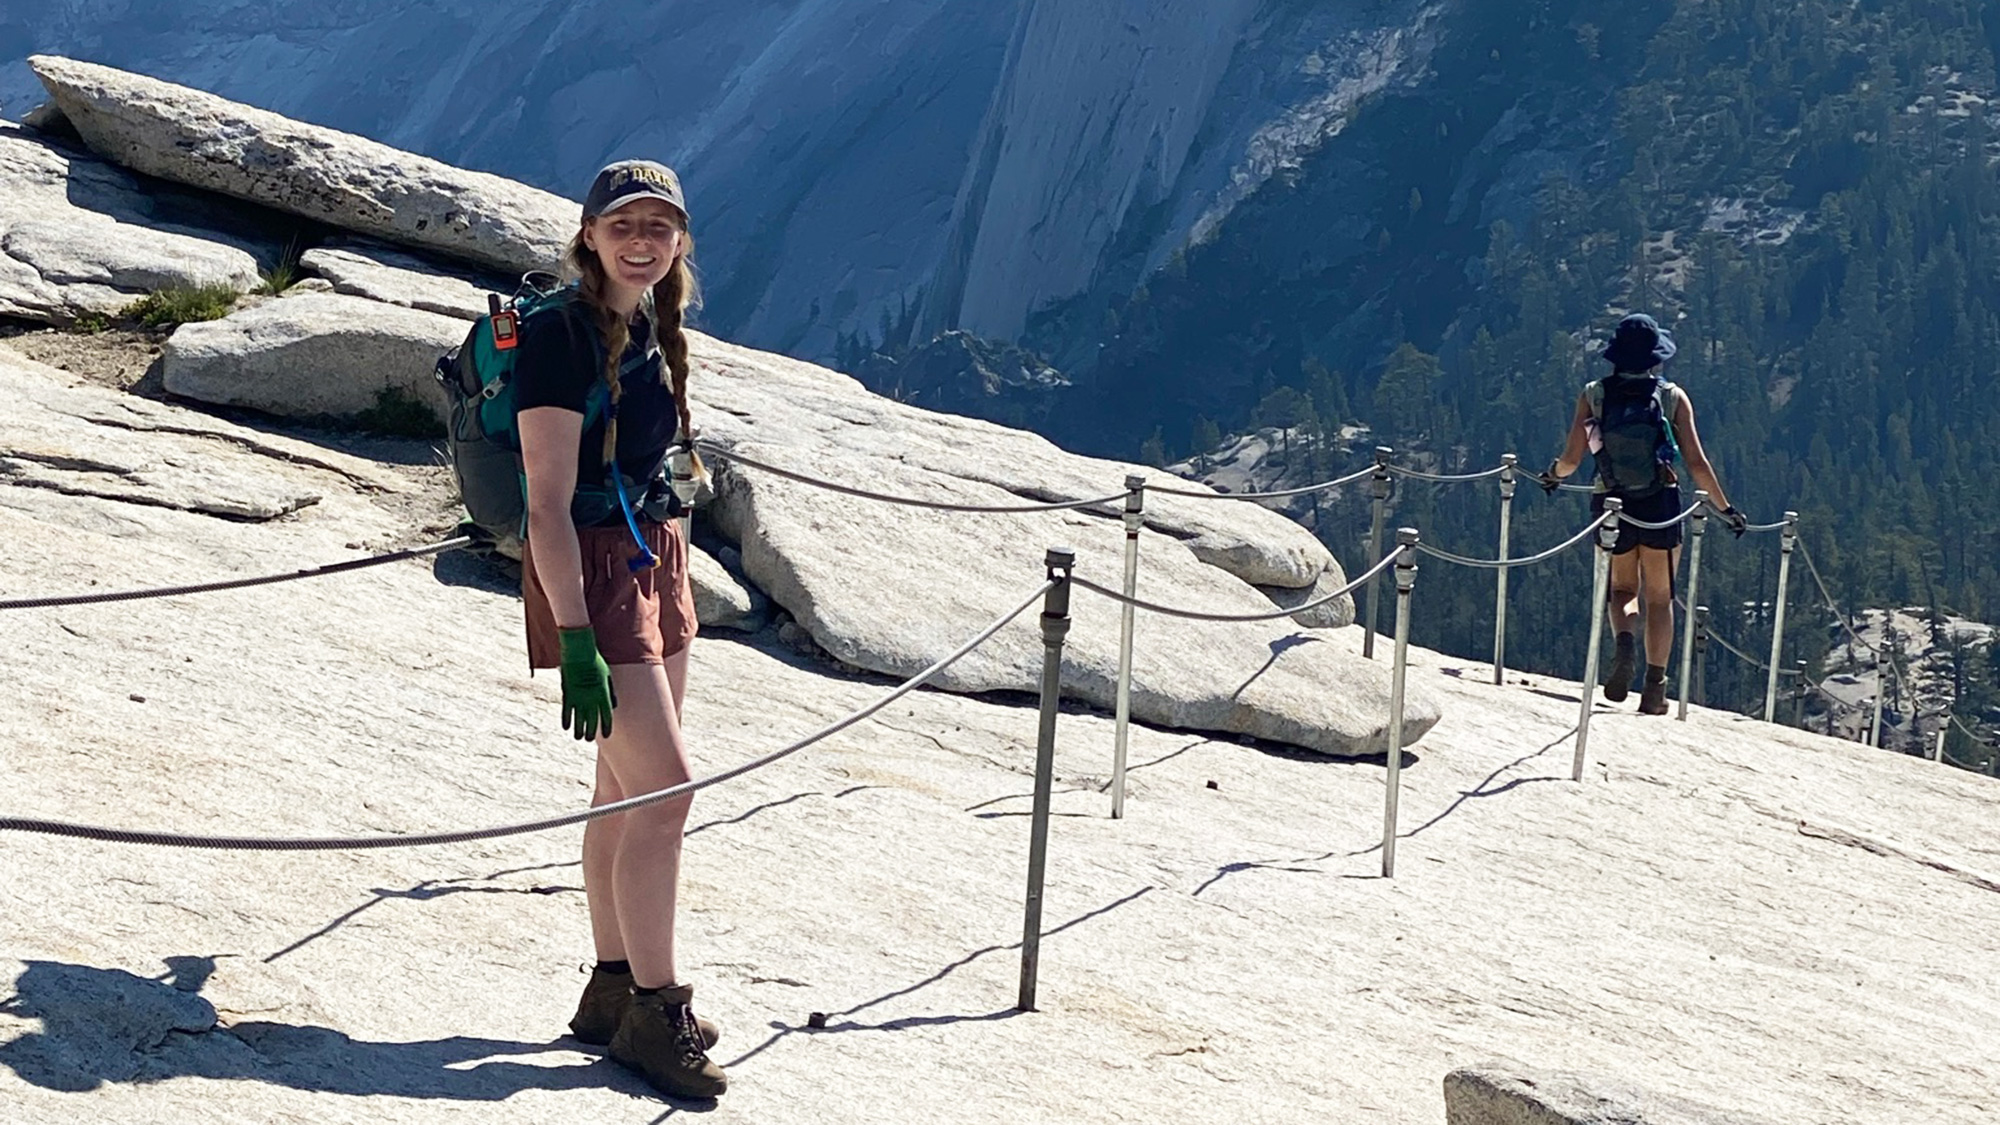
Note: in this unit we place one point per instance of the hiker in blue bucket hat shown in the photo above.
(1636, 425)
(606, 593)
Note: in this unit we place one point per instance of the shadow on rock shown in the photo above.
(102, 1026)
(480, 570)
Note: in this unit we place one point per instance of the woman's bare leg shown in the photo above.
(600, 846)
(646, 753)
(1624, 608)
(1656, 590)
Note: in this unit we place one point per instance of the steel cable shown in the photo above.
(358, 843)
(911, 501)
(1446, 478)
(1388, 561)
(1526, 560)
(1746, 657)
(1975, 736)
(234, 583)
(1280, 494)
(1675, 522)
(1827, 596)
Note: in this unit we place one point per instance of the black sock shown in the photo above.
(637, 991)
(1656, 673)
(615, 967)
(1625, 643)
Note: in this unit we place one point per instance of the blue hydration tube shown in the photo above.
(645, 559)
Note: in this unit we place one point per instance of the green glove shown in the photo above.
(587, 697)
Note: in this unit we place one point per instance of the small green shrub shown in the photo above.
(287, 272)
(90, 324)
(399, 413)
(283, 276)
(169, 307)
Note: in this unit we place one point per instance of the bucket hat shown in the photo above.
(1639, 344)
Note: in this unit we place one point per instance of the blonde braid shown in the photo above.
(672, 297)
(617, 335)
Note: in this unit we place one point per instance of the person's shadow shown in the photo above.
(106, 1025)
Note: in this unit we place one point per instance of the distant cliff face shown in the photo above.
(1109, 145)
(849, 162)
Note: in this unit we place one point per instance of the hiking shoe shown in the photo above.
(1653, 697)
(1619, 685)
(660, 1039)
(604, 1002)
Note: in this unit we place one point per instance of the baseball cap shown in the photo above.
(621, 183)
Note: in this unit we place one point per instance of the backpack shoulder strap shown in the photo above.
(1669, 395)
(1593, 391)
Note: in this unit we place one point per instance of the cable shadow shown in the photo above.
(436, 888)
(783, 1030)
(102, 1027)
(1030, 812)
(746, 814)
(1278, 648)
(1130, 770)
(1479, 790)
(1024, 797)
(422, 892)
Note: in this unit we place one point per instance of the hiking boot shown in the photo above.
(1623, 666)
(604, 1002)
(1653, 696)
(660, 1039)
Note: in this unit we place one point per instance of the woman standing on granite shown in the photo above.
(601, 387)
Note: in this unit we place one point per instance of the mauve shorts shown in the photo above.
(640, 618)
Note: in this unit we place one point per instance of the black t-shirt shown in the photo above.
(561, 359)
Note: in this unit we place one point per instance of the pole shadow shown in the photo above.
(781, 1030)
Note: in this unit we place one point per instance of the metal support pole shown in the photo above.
(1135, 507)
(1881, 689)
(1700, 529)
(1600, 590)
(1701, 655)
(1938, 753)
(1379, 484)
(1788, 540)
(1799, 695)
(1406, 577)
(1507, 463)
(1055, 627)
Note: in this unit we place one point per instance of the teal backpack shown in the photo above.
(483, 436)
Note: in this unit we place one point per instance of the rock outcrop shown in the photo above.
(198, 139)
(1510, 1094)
(81, 237)
(891, 588)
(359, 268)
(721, 599)
(319, 355)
